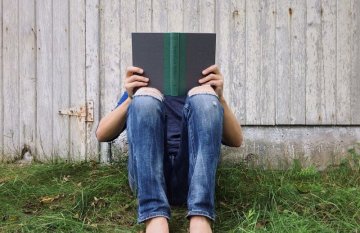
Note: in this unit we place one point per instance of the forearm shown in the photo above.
(232, 133)
(111, 125)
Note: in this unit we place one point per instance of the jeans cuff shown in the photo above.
(211, 216)
(143, 218)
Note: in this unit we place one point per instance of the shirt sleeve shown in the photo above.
(122, 99)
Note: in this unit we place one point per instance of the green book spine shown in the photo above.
(174, 64)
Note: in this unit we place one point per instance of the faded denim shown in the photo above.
(188, 177)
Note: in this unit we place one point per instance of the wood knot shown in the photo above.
(235, 13)
(290, 11)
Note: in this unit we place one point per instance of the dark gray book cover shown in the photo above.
(173, 62)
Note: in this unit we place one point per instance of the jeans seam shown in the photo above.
(160, 100)
(202, 213)
(153, 215)
(205, 93)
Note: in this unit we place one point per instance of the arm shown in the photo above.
(232, 133)
(112, 124)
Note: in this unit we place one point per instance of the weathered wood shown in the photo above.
(175, 18)
(284, 62)
(237, 70)
(298, 61)
(11, 78)
(127, 26)
(355, 75)
(159, 15)
(207, 15)
(329, 55)
(44, 88)
(222, 29)
(283, 48)
(253, 62)
(61, 79)
(27, 74)
(191, 15)
(77, 77)
(314, 63)
(109, 59)
(267, 72)
(92, 75)
(2, 156)
(143, 15)
(343, 74)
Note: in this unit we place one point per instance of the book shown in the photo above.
(173, 62)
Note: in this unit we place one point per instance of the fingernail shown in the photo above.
(141, 71)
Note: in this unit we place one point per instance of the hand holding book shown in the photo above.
(213, 78)
(134, 81)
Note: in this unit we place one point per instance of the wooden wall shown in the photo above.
(285, 62)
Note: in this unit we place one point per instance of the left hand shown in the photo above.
(214, 78)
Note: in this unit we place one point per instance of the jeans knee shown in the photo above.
(145, 106)
(208, 104)
(150, 91)
(205, 89)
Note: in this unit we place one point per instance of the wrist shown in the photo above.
(222, 100)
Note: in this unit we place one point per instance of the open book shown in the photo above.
(173, 62)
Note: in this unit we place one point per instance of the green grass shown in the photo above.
(88, 197)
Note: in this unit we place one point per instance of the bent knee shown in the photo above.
(205, 89)
(149, 91)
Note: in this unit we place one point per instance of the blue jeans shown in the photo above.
(159, 179)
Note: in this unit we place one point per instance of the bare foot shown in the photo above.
(157, 225)
(200, 224)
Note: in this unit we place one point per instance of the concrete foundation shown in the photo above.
(277, 147)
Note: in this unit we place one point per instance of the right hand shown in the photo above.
(134, 81)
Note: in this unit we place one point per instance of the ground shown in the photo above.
(89, 197)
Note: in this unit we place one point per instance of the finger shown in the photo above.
(134, 78)
(209, 77)
(136, 84)
(133, 69)
(211, 69)
(215, 83)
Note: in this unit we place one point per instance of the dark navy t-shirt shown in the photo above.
(174, 112)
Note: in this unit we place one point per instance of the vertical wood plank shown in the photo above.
(27, 65)
(344, 46)
(109, 59)
(253, 62)
(44, 35)
(329, 60)
(314, 64)
(61, 79)
(77, 77)
(159, 15)
(355, 76)
(2, 156)
(207, 15)
(176, 16)
(268, 87)
(191, 15)
(11, 78)
(298, 62)
(222, 29)
(92, 75)
(283, 62)
(127, 26)
(143, 14)
(237, 68)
